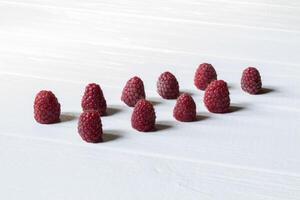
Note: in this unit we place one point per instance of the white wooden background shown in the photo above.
(61, 45)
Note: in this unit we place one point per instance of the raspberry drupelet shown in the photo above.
(167, 86)
(204, 75)
(185, 108)
(251, 80)
(133, 91)
(90, 126)
(216, 97)
(46, 108)
(143, 116)
(93, 99)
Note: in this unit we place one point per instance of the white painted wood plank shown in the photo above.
(35, 39)
(263, 134)
(62, 45)
(263, 15)
(35, 169)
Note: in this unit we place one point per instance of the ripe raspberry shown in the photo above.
(143, 116)
(251, 81)
(90, 126)
(167, 86)
(205, 74)
(216, 97)
(133, 91)
(93, 99)
(185, 108)
(46, 108)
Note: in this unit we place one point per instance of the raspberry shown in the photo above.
(251, 81)
(93, 99)
(143, 116)
(185, 108)
(205, 74)
(167, 86)
(216, 97)
(90, 126)
(133, 91)
(46, 108)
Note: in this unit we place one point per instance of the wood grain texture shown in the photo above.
(251, 153)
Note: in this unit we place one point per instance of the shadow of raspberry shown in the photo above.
(163, 125)
(201, 117)
(111, 135)
(154, 100)
(189, 92)
(237, 108)
(112, 110)
(68, 116)
(266, 90)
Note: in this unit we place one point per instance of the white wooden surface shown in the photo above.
(61, 45)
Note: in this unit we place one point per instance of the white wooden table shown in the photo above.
(61, 45)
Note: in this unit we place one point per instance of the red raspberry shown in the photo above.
(46, 108)
(133, 91)
(251, 81)
(205, 74)
(93, 99)
(143, 116)
(90, 126)
(185, 108)
(216, 97)
(167, 86)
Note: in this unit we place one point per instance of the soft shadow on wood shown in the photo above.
(68, 116)
(230, 86)
(189, 92)
(111, 135)
(154, 101)
(236, 108)
(201, 117)
(265, 90)
(162, 125)
(112, 110)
